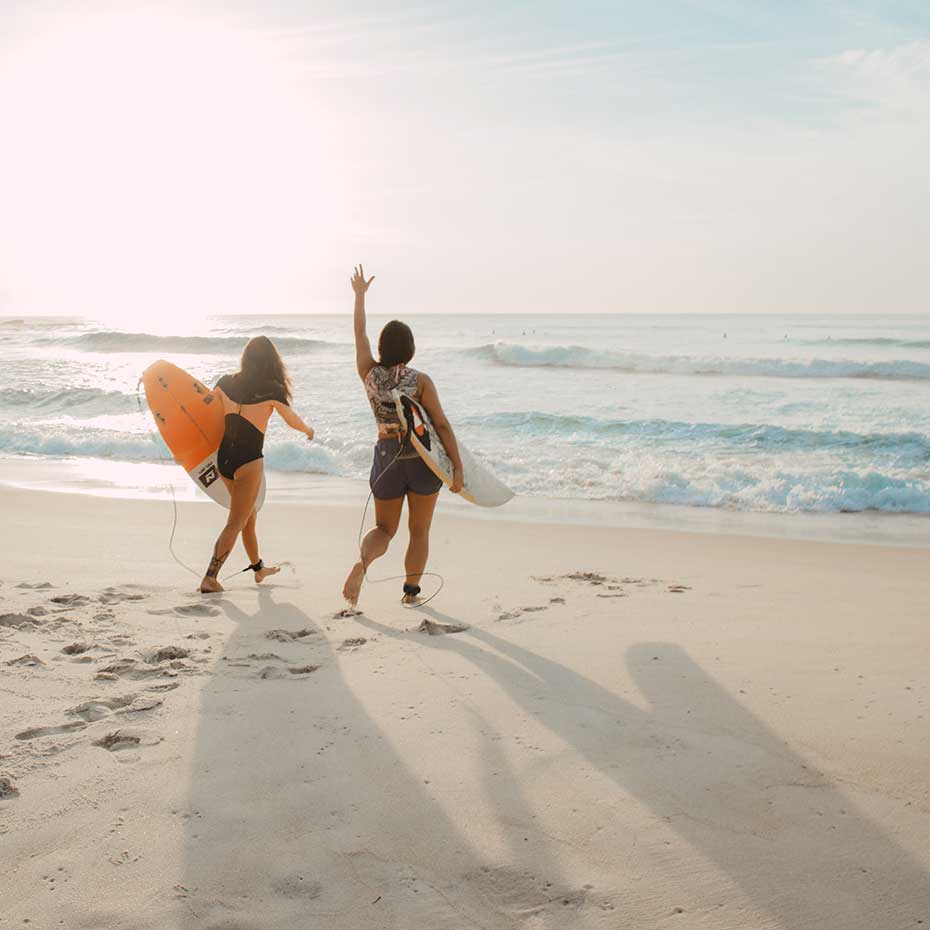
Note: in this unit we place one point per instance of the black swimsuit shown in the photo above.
(243, 441)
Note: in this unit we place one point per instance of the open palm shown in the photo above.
(359, 284)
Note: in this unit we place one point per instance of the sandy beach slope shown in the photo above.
(594, 728)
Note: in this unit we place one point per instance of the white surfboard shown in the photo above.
(481, 486)
(206, 476)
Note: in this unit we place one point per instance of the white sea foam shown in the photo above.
(709, 412)
(523, 356)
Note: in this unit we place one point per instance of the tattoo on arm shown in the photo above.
(216, 563)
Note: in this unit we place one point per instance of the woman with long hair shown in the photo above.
(249, 397)
(398, 473)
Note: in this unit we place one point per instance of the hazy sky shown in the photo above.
(698, 155)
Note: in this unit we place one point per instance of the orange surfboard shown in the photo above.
(191, 422)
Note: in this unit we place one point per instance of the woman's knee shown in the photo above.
(236, 526)
(387, 529)
(419, 533)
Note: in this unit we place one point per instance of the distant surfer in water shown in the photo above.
(249, 397)
(398, 472)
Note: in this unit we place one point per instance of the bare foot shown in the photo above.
(263, 573)
(353, 586)
(411, 600)
(210, 586)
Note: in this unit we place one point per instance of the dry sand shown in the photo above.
(707, 732)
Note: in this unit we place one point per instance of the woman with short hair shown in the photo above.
(397, 473)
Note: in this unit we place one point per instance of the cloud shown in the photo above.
(896, 78)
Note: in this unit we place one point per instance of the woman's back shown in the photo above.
(379, 382)
(251, 399)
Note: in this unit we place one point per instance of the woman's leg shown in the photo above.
(250, 541)
(420, 517)
(375, 544)
(243, 490)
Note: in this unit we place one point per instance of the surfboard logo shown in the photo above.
(208, 475)
(415, 420)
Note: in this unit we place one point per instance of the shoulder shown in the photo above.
(224, 383)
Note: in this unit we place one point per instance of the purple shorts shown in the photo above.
(389, 481)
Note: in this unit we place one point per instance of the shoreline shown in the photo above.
(163, 480)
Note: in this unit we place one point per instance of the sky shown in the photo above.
(166, 161)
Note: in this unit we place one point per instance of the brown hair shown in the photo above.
(395, 344)
(261, 365)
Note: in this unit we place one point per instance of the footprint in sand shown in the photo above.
(35, 585)
(131, 668)
(91, 711)
(274, 672)
(19, 621)
(678, 588)
(556, 600)
(8, 788)
(165, 654)
(347, 612)
(117, 595)
(76, 649)
(440, 629)
(188, 610)
(100, 708)
(352, 643)
(117, 740)
(610, 595)
(70, 600)
(289, 636)
(27, 661)
(519, 611)
(36, 732)
(37, 611)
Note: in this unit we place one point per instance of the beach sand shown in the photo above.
(631, 729)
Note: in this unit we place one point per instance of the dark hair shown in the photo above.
(262, 366)
(395, 344)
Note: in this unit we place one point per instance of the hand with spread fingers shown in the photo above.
(359, 284)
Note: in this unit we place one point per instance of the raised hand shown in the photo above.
(359, 284)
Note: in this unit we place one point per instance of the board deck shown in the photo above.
(191, 423)
(481, 487)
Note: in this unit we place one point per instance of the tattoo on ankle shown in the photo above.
(216, 563)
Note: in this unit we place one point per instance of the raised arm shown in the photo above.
(429, 397)
(364, 360)
(293, 421)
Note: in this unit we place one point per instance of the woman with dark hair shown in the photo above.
(398, 472)
(249, 397)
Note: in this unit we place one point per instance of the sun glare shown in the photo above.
(162, 168)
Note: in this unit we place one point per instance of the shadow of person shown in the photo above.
(791, 841)
(301, 811)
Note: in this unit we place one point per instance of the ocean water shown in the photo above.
(778, 414)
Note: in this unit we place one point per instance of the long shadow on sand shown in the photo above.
(302, 814)
(791, 841)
